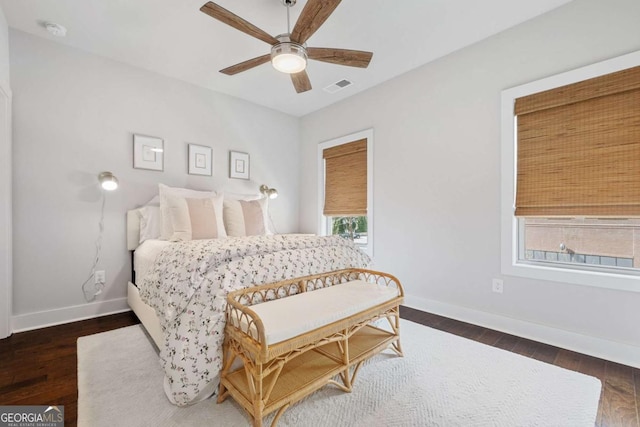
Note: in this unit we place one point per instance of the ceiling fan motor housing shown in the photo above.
(287, 56)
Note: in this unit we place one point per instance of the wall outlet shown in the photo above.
(497, 286)
(100, 276)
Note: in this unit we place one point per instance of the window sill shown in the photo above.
(600, 279)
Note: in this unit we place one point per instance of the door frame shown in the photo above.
(6, 197)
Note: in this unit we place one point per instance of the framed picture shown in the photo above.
(148, 152)
(238, 165)
(200, 160)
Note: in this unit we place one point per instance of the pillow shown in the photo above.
(155, 201)
(166, 191)
(149, 222)
(241, 196)
(194, 219)
(246, 217)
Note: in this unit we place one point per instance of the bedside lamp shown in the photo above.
(108, 181)
(271, 193)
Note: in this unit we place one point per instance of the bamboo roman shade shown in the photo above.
(579, 148)
(345, 185)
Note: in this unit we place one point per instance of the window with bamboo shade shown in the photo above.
(345, 186)
(571, 176)
(345, 166)
(578, 149)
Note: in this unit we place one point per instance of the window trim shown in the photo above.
(322, 221)
(509, 263)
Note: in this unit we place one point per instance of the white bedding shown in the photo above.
(189, 282)
(145, 255)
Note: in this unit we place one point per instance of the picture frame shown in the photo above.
(239, 166)
(200, 160)
(148, 152)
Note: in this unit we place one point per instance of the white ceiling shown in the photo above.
(173, 38)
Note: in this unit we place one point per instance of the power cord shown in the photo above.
(98, 287)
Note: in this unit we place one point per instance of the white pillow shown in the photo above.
(246, 217)
(155, 201)
(241, 196)
(150, 222)
(196, 218)
(166, 191)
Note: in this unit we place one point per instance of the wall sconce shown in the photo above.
(271, 193)
(108, 181)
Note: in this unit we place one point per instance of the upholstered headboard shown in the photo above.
(134, 216)
(133, 229)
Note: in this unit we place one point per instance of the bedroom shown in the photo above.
(437, 182)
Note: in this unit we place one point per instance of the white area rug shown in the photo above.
(443, 380)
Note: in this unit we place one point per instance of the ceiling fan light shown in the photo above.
(289, 57)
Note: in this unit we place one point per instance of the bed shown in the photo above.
(179, 289)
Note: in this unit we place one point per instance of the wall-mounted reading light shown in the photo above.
(271, 193)
(108, 181)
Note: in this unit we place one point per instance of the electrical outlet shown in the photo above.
(100, 276)
(497, 286)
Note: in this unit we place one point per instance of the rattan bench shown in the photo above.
(293, 337)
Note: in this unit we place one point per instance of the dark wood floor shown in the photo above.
(39, 367)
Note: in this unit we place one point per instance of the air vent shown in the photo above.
(339, 85)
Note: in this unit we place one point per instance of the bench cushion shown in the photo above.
(295, 315)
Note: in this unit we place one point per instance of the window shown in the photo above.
(349, 227)
(571, 187)
(345, 193)
(583, 242)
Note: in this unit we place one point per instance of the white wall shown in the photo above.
(4, 49)
(74, 115)
(5, 180)
(437, 177)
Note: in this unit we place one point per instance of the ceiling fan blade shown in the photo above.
(351, 58)
(301, 81)
(313, 15)
(246, 65)
(229, 18)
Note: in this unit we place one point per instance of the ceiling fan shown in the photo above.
(289, 52)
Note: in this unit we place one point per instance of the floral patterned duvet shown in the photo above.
(189, 283)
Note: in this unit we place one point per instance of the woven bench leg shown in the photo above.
(257, 420)
(343, 345)
(223, 393)
(254, 379)
(228, 358)
(279, 414)
(394, 321)
(395, 346)
(346, 378)
(260, 391)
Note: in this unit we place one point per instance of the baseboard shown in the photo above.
(43, 319)
(625, 354)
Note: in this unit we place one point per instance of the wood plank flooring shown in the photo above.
(39, 367)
